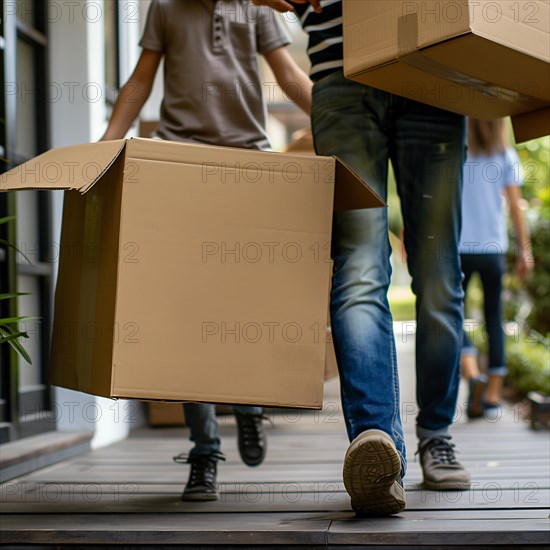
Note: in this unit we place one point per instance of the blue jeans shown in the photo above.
(491, 268)
(203, 425)
(367, 127)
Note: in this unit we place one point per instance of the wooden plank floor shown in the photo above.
(128, 494)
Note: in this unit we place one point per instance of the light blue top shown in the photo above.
(484, 229)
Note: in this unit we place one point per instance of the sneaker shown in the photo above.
(201, 485)
(477, 386)
(252, 439)
(492, 411)
(372, 475)
(440, 468)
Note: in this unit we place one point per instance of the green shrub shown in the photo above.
(10, 332)
(528, 365)
(527, 359)
(538, 283)
(535, 159)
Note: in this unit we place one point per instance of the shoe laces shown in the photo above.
(203, 472)
(250, 427)
(184, 458)
(441, 449)
(203, 469)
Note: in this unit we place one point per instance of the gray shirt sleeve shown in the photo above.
(154, 36)
(270, 31)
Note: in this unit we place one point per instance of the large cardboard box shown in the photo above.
(331, 365)
(165, 414)
(481, 59)
(172, 414)
(193, 273)
(531, 125)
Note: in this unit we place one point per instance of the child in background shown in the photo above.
(491, 170)
(212, 95)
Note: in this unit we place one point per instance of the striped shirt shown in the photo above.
(325, 50)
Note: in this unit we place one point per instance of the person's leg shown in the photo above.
(428, 154)
(477, 382)
(203, 427)
(203, 458)
(491, 278)
(493, 395)
(252, 441)
(468, 363)
(348, 120)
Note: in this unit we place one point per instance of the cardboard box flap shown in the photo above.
(535, 124)
(76, 167)
(351, 192)
(215, 158)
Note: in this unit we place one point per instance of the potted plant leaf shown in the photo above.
(10, 331)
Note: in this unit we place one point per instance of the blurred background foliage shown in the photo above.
(535, 158)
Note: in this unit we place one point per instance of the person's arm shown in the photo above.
(524, 261)
(294, 82)
(133, 95)
(283, 7)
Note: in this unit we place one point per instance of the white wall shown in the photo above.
(78, 114)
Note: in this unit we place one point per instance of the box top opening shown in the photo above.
(76, 167)
(80, 167)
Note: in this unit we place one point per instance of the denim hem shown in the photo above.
(497, 371)
(425, 433)
(213, 453)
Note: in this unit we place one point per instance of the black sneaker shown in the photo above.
(201, 485)
(440, 468)
(252, 439)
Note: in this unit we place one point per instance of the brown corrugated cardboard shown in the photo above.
(482, 59)
(531, 125)
(165, 414)
(193, 273)
(172, 414)
(331, 366)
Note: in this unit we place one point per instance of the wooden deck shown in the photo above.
(128, 494)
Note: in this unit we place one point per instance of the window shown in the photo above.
(25, 405)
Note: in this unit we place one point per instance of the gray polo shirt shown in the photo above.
(212, 89)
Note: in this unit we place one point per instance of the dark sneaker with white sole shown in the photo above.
(372, 475)
(252, 438)
(440, 468)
